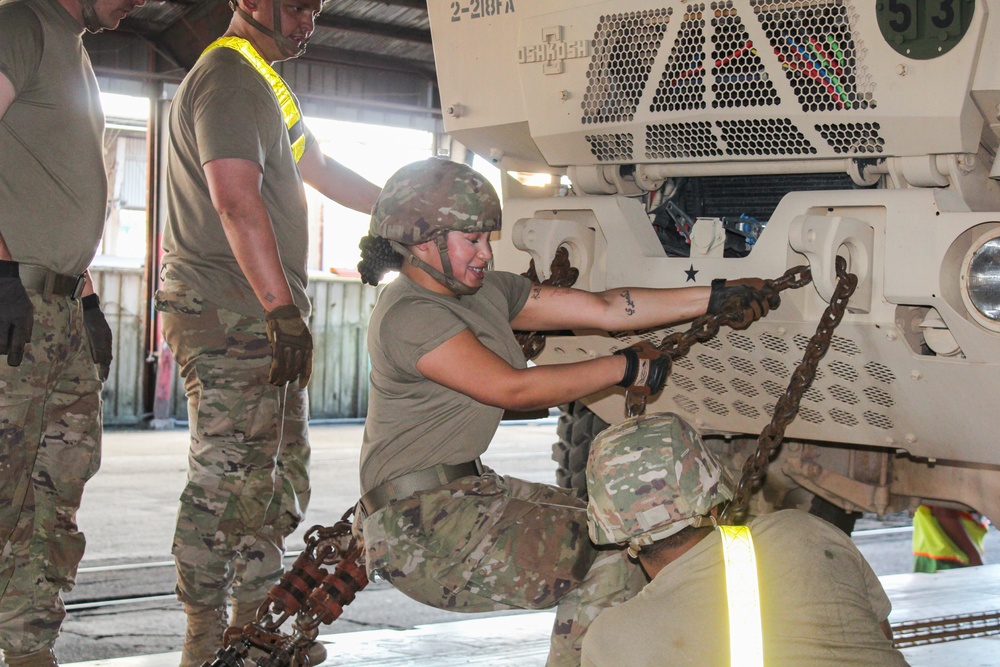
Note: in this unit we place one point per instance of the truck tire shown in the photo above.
(576, 429)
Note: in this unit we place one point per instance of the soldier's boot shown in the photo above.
(205, 627)
(43, 658)
(315, 654)
(243, 613)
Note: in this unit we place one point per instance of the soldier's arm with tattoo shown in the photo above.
(620, 309)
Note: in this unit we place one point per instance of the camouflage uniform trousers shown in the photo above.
(490, 542)
(50, 445)
(248, 465)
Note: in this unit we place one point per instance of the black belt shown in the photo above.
(406, 485)
(49, 283)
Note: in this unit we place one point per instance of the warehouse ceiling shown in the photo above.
(386, 34)
(368, 60)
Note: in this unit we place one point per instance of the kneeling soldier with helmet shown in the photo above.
(656, 488)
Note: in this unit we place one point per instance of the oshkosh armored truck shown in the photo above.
(689, 141)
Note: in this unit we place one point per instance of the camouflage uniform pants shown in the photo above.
(491, 542)
(248, 465)
(50, 445)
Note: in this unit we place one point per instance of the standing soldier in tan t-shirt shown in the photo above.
(234, 304)
(55, 345)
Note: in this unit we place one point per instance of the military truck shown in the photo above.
(688, 141)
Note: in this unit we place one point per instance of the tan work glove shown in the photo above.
(646, 369)
(291, 346)
(744, 294)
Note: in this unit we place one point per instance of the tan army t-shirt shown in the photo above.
(414, 423)
(225, 109)
(53, 188)
(821, 605)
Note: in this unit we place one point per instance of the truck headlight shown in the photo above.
(981, 278)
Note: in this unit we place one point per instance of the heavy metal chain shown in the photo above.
(309, 593)
(707, 327)
(561, 274)
(787, 407)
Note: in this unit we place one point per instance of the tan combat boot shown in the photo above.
(205, 627)
(243, 613)
(43, 658)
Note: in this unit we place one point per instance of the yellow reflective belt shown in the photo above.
(746, 641)
(289, 108)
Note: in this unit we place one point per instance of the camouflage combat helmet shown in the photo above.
(648, 478)
(424, 201)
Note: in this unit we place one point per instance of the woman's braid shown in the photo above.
(377, 258)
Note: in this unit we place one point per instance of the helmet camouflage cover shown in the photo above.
(648, 478)
(425, 199)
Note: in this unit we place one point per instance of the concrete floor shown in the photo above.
(128, 516)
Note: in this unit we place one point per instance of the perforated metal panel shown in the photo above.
(682, 84)
(852, 137)
(624, 48)
(764, 136)
(611, 147)
(739, 77)
(681, 140)
(742, 373)
(821, 54)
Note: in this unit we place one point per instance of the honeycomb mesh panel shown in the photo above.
(681, 140)
(853, 137)
(682, 85)
(624, 48)
(819, 51)
(611, 147)
(738, 75)
(764, 136)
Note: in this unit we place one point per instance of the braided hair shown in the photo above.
(377, 258)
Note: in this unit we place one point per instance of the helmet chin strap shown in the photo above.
(286, 46)
(90, 20)
(448, 277)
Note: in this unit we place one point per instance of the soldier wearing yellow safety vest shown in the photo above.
(788, 589)
(234, 311)
(945, 538)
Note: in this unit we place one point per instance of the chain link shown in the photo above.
(707, 327)
(561, 274)
(787, 407)
(308, 592)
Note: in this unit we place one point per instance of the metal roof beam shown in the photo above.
(375, 28)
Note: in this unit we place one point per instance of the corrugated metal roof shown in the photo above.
(382, 32)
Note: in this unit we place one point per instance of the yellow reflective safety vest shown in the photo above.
(746, 639)
(289, 106)
(930, 541)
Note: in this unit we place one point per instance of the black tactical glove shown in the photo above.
(291, 346)
(745, 294)
(99, 335)
(16, 314)
(646, 369)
